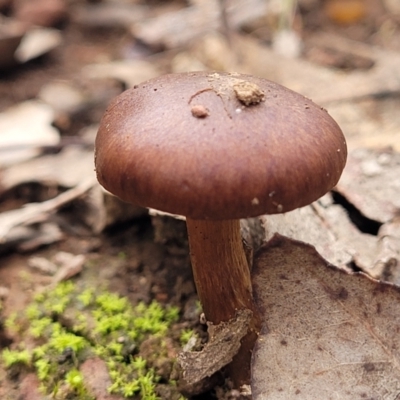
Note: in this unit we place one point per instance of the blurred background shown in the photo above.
(75, 55)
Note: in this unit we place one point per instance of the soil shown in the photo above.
(127, 258)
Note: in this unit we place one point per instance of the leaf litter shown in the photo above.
(327, 334)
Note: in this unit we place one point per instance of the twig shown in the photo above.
(36, 212)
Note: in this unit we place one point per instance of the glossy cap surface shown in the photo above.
(218, 146)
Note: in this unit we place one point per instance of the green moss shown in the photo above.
(32, 312)
(61, 340)
(110, 303)
(186, 335)
(11, 323)
(13, 357)
(74, 379)
(133, 378)
(86, 297)
(70, 324)
(39, 326)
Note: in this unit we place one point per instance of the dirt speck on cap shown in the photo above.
(199, 111)
(248, 93)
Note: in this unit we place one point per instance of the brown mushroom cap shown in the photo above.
(217, 146)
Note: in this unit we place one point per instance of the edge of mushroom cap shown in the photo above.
(143, 154)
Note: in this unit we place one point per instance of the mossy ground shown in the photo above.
(70, 323)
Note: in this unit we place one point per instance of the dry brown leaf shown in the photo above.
(387, 258)
(326, 226)
(11, 33)
(180, 27)
(223, 345)
(371, 182)
(327, 334)
(307, 225)
(371, 120)
(130, 72)
(315, 81)
(36, 42)
(67, 168)
(33, 213)
(70, 168)
(24, 129)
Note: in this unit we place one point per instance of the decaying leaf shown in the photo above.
(26, 238)
(25, 128)
(69, 265)
(327, 334)
(180, 27)
(11, 33)
(307, 225)
(326, 226)
(67, 168)
(36, 42)
(61, 266)
(37, 212)
(371, 182)
(130, 72)
(72, 169)
(222, 346)
(387, 258)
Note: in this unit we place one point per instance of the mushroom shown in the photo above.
(217, 147)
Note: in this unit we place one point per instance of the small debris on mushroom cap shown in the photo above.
(248, 93)
(199, 111)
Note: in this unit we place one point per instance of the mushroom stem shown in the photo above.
(223, 283)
